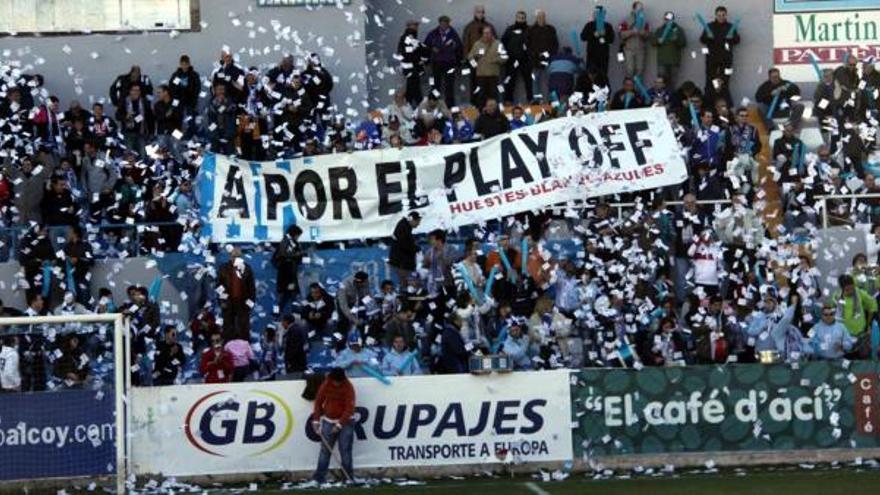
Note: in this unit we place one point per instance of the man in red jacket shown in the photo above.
(215, 363)
(334, 407)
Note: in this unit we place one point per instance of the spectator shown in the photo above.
(58, 205)
(185, 85)
(77, 264)
(491, 121)
(670, 40)
(472, 33)
(36, 255)
(776, 93)
(73, 367)
(215, 363)
(458, 129)
(169, 119)
(720, 40)
(229, 75)
(746, 143)
(402, 255)
(296, 348)
(237, 292)
(517, 45)
(30, 183)
(403, 111)
(399, 361)
(121, 87)
(830, 339)
(599, 39)
(517, 346)
(856, 309)
(519, 119)
(98, 178)
(243, 358)
(349, 298)
(626, 97)
(452, 355)
(413, 56)
(486, 57)
(563, 68)
(10, 374)
(543, 47)
(318, 83)
(220, 120)
(332, 421)
(635, 33)
(101, 127)
(135, 118)
(169, 358)
(824, 102)
(356, 360)
(317, 309)
(447, 53)
(286, 259)
(400, 325)
(269, 354)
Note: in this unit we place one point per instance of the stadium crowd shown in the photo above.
(722, 277)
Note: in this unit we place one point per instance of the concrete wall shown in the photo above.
(357, 42)
(752, 56)
(336, 34)
(116, 275)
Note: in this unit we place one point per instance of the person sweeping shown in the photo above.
(334, 408)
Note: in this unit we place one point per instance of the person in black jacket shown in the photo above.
(296, 347)
(76, 265)
(35, 250)
(57, 205)
(720, 57)
(318, 308)
(491, 121)
(185, 84)
(447, 52)
(318, 83)
(135, 119)
(169, 358)
(516, 41)
(231, 76)
(286, 259)
(785, 107)
(543, 45)
(167, 115)
(121, 85)
(404, 248)
(599, 40)
(413, 54)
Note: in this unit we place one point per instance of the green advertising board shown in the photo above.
(748, 407)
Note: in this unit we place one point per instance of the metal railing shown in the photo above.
(823, 202)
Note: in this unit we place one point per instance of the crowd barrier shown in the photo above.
(570, 419)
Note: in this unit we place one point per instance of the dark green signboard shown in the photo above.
(726, 408)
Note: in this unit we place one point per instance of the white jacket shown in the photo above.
(10, 376)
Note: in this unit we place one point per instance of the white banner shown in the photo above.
(364, 194)
(827, 38)
(416, 421)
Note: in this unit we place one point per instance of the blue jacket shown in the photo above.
(461, 131)
(768, 331)
(445, 49)
(830, 341)
(400, 364)
(349, 360)
(518, 351)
